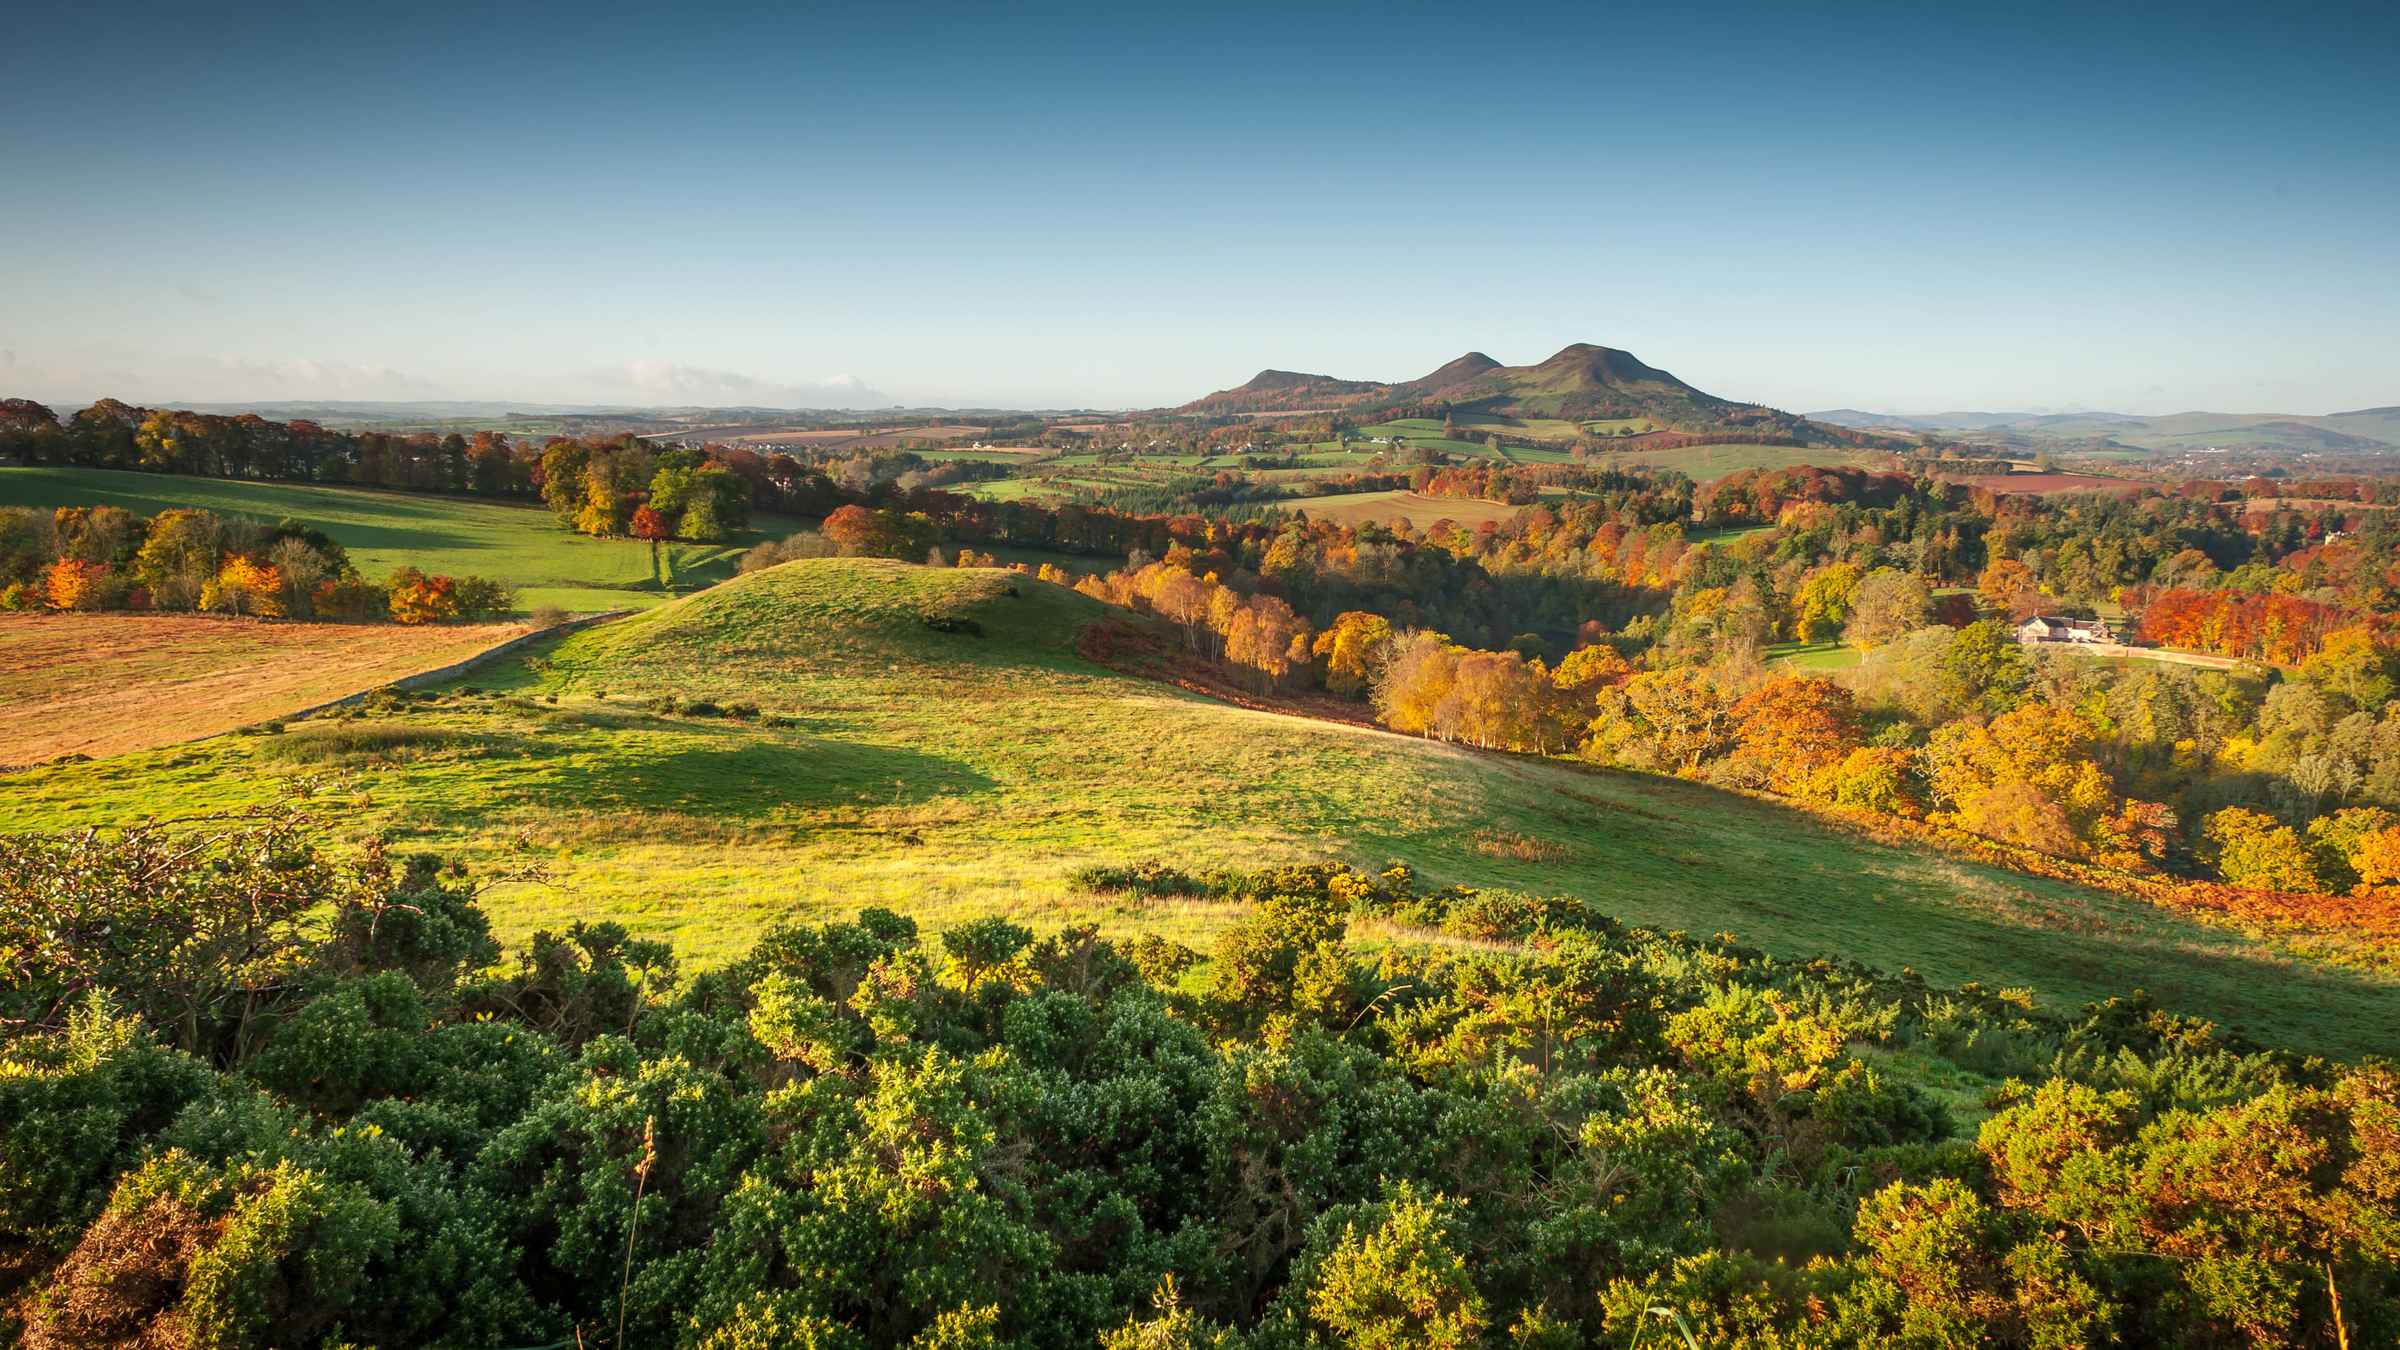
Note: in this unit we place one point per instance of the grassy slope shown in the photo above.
(948, 776)
(522, 545)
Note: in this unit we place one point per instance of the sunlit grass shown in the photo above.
(946, 776)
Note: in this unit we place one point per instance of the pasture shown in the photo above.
(103, 684)
(519, 543)
(1814, 656)
(949, 775)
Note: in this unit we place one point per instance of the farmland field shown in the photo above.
(950, 776)
(2045, 483)
(1705, 462)
(103, 684)
(1416, 508)
(521, 544)
(1814, 655)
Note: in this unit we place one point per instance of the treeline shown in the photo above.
(104, 558)
(1760, 496)
(113, 435)
(257, 1096)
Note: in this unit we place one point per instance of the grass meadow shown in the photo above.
(949, 775)
(521, 544)
(1817, 656)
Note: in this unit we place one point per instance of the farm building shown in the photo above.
(2042, 628)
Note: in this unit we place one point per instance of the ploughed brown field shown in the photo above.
(103, 684)
(1358, 507)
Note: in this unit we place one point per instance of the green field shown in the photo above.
(523, 545)
(948, 775)
(1814, 655)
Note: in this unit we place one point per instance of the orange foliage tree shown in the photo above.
(74, 584)
(418, 598)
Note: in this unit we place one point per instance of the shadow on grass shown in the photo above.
(746, 781)
(1669, 854)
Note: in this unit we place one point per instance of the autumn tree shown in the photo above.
(2007, 585)
(1418, 670)
(1353, 649)
(417, 598)
(242, 586)
(76, 585)
(1267, 636)
(1887, 603)
(1822, 603)
(2252, 848)
(1790, 727)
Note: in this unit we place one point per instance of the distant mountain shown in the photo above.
(1959, 421)
(1582, 382)
(2363, 431)
(1284, 391)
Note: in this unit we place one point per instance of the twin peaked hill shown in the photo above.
(1581, 382)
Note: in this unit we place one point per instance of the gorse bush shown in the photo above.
(251, 1095)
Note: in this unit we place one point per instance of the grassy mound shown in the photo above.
(828, 617)
(898, 758)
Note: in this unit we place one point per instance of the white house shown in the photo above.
(2042, 628)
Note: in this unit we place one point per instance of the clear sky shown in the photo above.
(1909, 208)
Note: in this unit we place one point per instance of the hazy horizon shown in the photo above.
(1887, 210)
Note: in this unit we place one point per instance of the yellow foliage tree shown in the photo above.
(243, 587)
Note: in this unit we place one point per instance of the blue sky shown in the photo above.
(1907, 208)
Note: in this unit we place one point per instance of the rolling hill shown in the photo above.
(930, 740)
(2367, 431)
(1581, 382)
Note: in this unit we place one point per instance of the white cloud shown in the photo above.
(667, 382)
(172, 379)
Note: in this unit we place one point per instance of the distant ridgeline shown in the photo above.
(1580, 382)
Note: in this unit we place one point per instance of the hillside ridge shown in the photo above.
(1580, 381)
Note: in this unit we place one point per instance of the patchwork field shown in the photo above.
(103, 684)
(1416, 508)
(1704, 462)
(520, 544)
(950, 775)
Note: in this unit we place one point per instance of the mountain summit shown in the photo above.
(1581, 381)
